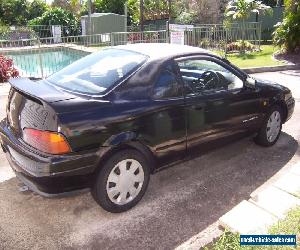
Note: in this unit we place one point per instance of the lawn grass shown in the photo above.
(289, 225)
(255, 59)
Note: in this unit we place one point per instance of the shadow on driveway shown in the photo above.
(181, 201)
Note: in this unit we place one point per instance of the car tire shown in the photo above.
(125, 172)
(271, 128)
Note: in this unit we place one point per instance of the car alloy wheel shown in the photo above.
(273, 126)
(125, 181)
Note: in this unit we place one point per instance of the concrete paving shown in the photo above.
(275, 201)
(295, 169)
(180, 209)
(4, 89)
(247, 218)
(289, 183)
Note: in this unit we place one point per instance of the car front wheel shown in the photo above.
(271, 129)
(122, 181)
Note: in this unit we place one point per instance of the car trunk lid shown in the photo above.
(40, 90)
(29, 105)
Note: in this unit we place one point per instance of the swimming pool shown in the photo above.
(45, 61)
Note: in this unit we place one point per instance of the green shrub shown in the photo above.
(58, 16)
(287, 33)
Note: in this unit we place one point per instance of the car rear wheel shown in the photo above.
(122, 181)
(271, 129)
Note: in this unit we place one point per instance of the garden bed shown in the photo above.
(291, 58)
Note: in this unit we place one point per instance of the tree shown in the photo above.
(152, 9)
(13, 12)
(198, 11)
(287, 33)
(142, 14)
(111, 6)
(270, 3)
(18, 12)
(72, 6)
(134, 11)
(292, 6)
(192, 11)
(156, 9)
(36, 8)
(241, 10)
(273, 3)
(58, 16)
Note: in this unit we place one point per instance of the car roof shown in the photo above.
(163, 50)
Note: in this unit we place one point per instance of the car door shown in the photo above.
(217, 103)
(168, 120)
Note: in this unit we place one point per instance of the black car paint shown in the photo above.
(165, 131)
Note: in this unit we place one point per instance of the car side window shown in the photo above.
(167, 85)
(203, 75)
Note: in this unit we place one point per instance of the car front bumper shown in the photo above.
(290, 103)
(45, 174)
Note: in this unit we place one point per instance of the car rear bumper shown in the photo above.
(49, 192)
(47, 175)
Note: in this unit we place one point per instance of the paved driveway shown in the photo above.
(181, 201)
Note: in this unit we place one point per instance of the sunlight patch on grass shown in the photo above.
(289, 225)
(256, 59)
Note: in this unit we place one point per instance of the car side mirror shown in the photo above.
(250, 82)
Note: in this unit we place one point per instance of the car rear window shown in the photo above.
(95, 73)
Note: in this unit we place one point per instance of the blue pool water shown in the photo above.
(44, 62)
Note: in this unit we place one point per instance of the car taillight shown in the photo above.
(46, 141)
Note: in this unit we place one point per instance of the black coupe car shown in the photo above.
(109, 120)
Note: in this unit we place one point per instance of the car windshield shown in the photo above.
(97, 72)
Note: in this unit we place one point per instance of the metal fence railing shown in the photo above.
(206, 36)
(121, 38)
(43, 31)
(226, 38)
(147, 27)
(33, 31)
(42, 56)
(96, 40)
